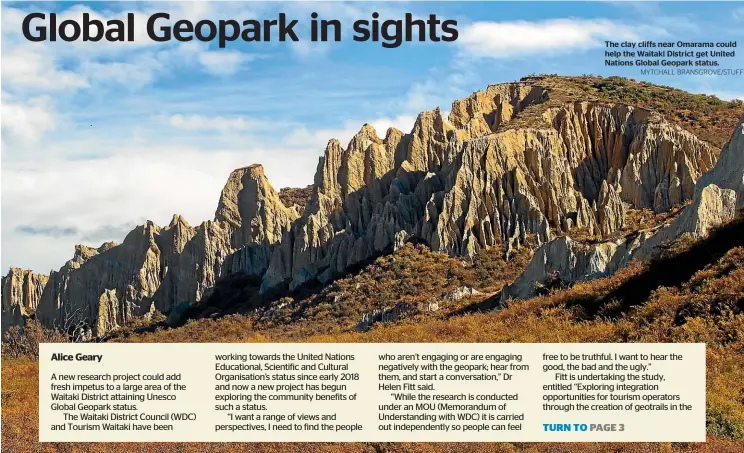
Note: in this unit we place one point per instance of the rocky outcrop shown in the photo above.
(717, 196)
(655, 164)
(21, 291)
(250, 218)
(564, 260)
(296, 198)
(728, 172)
(483, 112)
(508, 163)
(610, 210)
(159, 268)
(463, 187)
(172, 241)
(460, 293)
(384, 316)
(251, 209)
(74, 295)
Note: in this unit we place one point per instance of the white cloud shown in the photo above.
(222, 62)
(34, 67)
(403, 123)
(216, 123)
(513, 39)
(136, 74)
(27, 121)
(309, 50)
(441, 88)
(38, 66)
(423, 96)
(151, 182)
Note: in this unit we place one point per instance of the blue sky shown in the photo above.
(97, 137)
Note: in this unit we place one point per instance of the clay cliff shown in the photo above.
(717, 196)
(464, 184)
(526, 159)
(21, 291)
(158, 268)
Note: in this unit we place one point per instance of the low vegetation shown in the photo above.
(24, 342)
(708, 117)
(421, 283)
(291, 196)
(705, 304)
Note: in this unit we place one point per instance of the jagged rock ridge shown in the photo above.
(157, 269)
(718, 195)
(465, 189)
(21, 293)
(482, 176)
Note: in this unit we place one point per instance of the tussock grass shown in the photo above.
(708, 306)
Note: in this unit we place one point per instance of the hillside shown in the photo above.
(513, 166)
(702, 301)
(552, 209)
(706, 116)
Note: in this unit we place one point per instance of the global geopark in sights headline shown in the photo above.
(391, 33)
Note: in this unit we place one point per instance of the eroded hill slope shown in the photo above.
(542, 157)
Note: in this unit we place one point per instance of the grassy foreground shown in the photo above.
(702, 300)
(694, 292)
(21, 416)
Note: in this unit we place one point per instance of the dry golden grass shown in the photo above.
(701, 300)
(707, 307)
(413, 275)
(20, 434)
